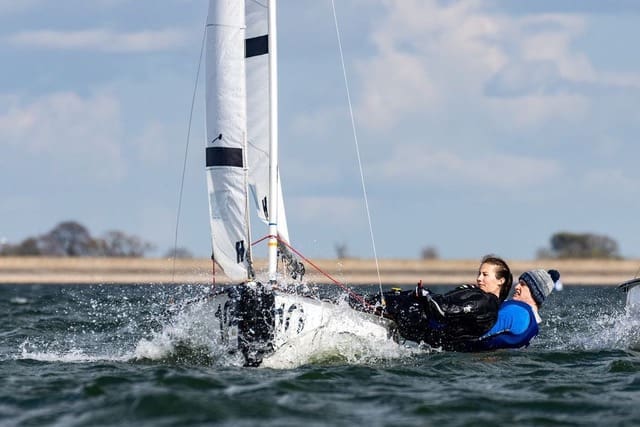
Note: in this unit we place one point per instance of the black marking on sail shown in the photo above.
(224, 156)
(240, 251)
(256, 46)
(265, 209)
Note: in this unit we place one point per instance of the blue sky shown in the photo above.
(484, 126)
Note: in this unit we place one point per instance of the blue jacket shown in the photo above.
(516, 326)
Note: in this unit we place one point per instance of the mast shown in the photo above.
(273, 144)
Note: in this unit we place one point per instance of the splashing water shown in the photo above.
(343, 338)
(589, 321)
(619, 331)
(122, 323)
(192, 335)
(72, 355)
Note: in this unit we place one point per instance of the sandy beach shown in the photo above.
(43, 270)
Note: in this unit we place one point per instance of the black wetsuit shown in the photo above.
(449, 320)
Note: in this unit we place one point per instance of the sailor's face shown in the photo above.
(522, 292)
(487, 280)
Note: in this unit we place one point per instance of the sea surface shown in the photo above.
(119, 356)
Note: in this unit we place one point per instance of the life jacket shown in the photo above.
(506, 338)
(446, 320)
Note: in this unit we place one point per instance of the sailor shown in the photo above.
(518, 318)
(452, 319)
(494, 277)
(475, 318)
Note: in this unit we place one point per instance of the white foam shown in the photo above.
(337, 334)
(611, 331)
(195, 328)
(155, 349)
(66, 356)
(345, 336)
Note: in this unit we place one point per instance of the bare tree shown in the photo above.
(341, 250)
(179, 253)
(118, 244)
(68, 238)
(580, 245)
(429, 252)
(28, 247)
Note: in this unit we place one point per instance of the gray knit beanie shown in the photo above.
(540, 283)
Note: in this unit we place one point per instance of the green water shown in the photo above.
(109, 355)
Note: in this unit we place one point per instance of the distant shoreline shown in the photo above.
(46, 270)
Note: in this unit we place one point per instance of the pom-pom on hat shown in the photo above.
(540, 282)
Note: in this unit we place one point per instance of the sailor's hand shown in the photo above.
(422, 292)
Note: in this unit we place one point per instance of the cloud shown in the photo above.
(418, 46)
(152, 144)
(303, 123)
(612, 7)
(613, 184)
(11, 6)
(72, 134)
(453, 57)
(407, 88)
(550, 37)
(532, 110)
(425, 165)
(103, 40)
(329, 211)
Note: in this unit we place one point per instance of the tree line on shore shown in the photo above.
(565, 245)
(70, 238)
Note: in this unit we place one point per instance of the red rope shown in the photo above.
(321, 271)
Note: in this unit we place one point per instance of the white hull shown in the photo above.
(633, 299)
(632, 288)
(258, 323)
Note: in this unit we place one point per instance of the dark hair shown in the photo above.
(502, 272)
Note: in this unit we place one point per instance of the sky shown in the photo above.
(483, 126)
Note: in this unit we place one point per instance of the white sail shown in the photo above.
(226, 124)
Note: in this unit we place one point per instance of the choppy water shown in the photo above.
(109, 355)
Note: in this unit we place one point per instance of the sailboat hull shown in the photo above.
(632, 288)
(257, 322)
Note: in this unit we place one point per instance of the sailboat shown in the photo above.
(632, 288)
(257, 315)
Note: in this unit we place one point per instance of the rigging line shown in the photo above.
(186, 155)
(344, 287)
(355, 138)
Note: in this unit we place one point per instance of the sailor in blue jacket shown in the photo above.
(518, 317)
